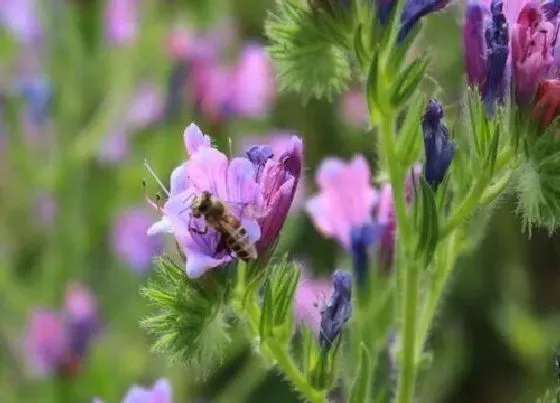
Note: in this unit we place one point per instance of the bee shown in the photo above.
(217, 215)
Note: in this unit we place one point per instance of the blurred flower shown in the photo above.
(145, 108)
(310, 295)
(354, 109)
(131, 244)
(413, 11)
(179, 42)
(37, 93)
(533, 41)
(547, 102)
(252, 83)
(209, 82)
(438, 147)
(361, 238)
(486, 48)
(161, 392)
(551, 8)
(337, 310)
(121, 20)
(234, 182)
(45, 342)
(345, 200)
(46, 209)
(21, 18)
(81, 319)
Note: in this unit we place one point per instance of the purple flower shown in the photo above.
(45, 342)
(438, 147)
(115, 146)
(121, 19)
(131, 244)
(309, 297)
(486, 48)
(551, 8)
(81, 319)
(21, 17)
(236, 183)
(337, 310)
(346, 198)
(252, 83)
(533, 41)
(161, 392)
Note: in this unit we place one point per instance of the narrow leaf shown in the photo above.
(361, 386)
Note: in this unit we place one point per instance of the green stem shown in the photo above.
(270, 347)
(407, 368)
(244, 383)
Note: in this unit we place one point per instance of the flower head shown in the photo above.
(237, 184)
(438, 147)
(131, 244)
(21, 17)
(337, 310)
(81, 318)
(252, 83)
(533, 41)
(161, 392)
(345, 199)
(122, 21)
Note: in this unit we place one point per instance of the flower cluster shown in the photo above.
(244, 89)
(59, 341)
(258, 190)
(514, 44)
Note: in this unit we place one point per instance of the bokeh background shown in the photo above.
(90, 90)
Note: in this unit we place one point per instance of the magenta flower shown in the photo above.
(21, 17)
(280, 142)
(345, 200)
(45, 342)
(121, 19)
(309, 298)
(246, 185)
(131, 244)
(161, 392)
(533, 41)
(179, 42)
(252, 83)
(209, 84)
(58, 342)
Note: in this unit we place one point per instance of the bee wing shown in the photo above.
(247, 210)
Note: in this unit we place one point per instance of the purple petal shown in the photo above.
(137, 394)
(198, 264)
(241, 185)
(207, 170)
(194, 139)
(162, 392)
(179, 180)
(253, 229)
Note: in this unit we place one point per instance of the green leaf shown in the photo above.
(361, 53)
(408, 80)
(267, 313)
(410, 139)
(189, 321)
(308, 56)
(361, 386)
(427, 222)
(398, 54)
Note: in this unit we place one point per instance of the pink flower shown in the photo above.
(532, 51)
(121, 18)
(21, 17)
(45, 342)
(252, 83)
(345, 200)
(310, 295)
(179, 42)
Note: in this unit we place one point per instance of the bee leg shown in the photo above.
(222, 245)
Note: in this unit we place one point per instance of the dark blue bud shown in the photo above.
(551, 8)
(81, 333)
(258, 155)
(439, 148)
(414, 10)
(497, 42)
(361, 238)
(337, 310)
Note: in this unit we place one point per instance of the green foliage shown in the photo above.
(190, 323)
(550, 397)
(426, 220)
(361, 387)
(277, 308)
(307, 51)
(538, 183)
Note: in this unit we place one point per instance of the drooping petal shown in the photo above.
(198, 264)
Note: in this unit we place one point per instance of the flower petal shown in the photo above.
(207, 170)
(137, 394)
(179, 180)
(194, 139)
(162, 392)
(241, 185)
(253, 229)
(198, 264)
(163, 225)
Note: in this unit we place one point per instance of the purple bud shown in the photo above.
(439, 148)
(82, 318)
(474, 46)
(414, 10)
(258, 155)
(337, 310)
(361, 238)
(551, 8)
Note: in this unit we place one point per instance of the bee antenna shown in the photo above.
(151, 171)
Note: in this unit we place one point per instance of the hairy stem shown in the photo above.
(239, 389)
(272, 350)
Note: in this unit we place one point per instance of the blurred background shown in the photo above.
(89, 90)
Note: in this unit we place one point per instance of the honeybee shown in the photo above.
(217, 215)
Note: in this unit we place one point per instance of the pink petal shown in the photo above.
(207, 170)
(194, 139)
(198, 264)
(162, 392)
(241, 185)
